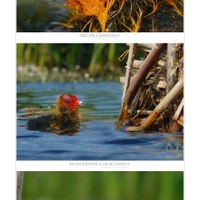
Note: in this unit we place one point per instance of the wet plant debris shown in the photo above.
(153, 97)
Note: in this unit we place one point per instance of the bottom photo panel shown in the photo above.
(100, 185)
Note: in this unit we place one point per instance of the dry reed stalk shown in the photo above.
(138, 80)
(142, 72)
(134, 128)
(181, 120)
(20, 178)
(163, 104)
(146, 46)
(175, 125)
(171, 68)
(178, 111)
(129, 66)
(138, 63)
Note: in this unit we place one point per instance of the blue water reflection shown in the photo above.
(97, 138)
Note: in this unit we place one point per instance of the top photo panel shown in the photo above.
(100, 15)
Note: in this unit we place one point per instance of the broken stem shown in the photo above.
(163, 104)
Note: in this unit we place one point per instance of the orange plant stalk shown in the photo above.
(134, 25)
(154, 6)
(172, 3)
(97, 8)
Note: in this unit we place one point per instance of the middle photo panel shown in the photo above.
(101, 101)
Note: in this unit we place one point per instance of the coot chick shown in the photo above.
(63, 117)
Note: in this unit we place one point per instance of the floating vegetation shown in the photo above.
(123, 15)
(152, 97)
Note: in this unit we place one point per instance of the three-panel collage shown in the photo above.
(100, 100)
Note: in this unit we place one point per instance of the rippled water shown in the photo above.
(97, 138)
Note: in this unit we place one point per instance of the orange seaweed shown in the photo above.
(154, 7)
(172, 3)
(96, 9)
(97, 15)
(134, 26)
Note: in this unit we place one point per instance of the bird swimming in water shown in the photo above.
(64, 117)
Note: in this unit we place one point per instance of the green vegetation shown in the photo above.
(38, 16)
(37, 62)
(103, 186)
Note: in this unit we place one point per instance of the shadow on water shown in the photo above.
(97, 139)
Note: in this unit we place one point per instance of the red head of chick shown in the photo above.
(68, 102)
(63, 117)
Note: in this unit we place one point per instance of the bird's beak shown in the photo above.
(80, 103)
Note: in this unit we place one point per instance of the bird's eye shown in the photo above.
(68, 101)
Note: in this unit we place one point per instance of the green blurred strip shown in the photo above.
(97, 56)
(103, 185)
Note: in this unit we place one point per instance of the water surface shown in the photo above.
(97, 138)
